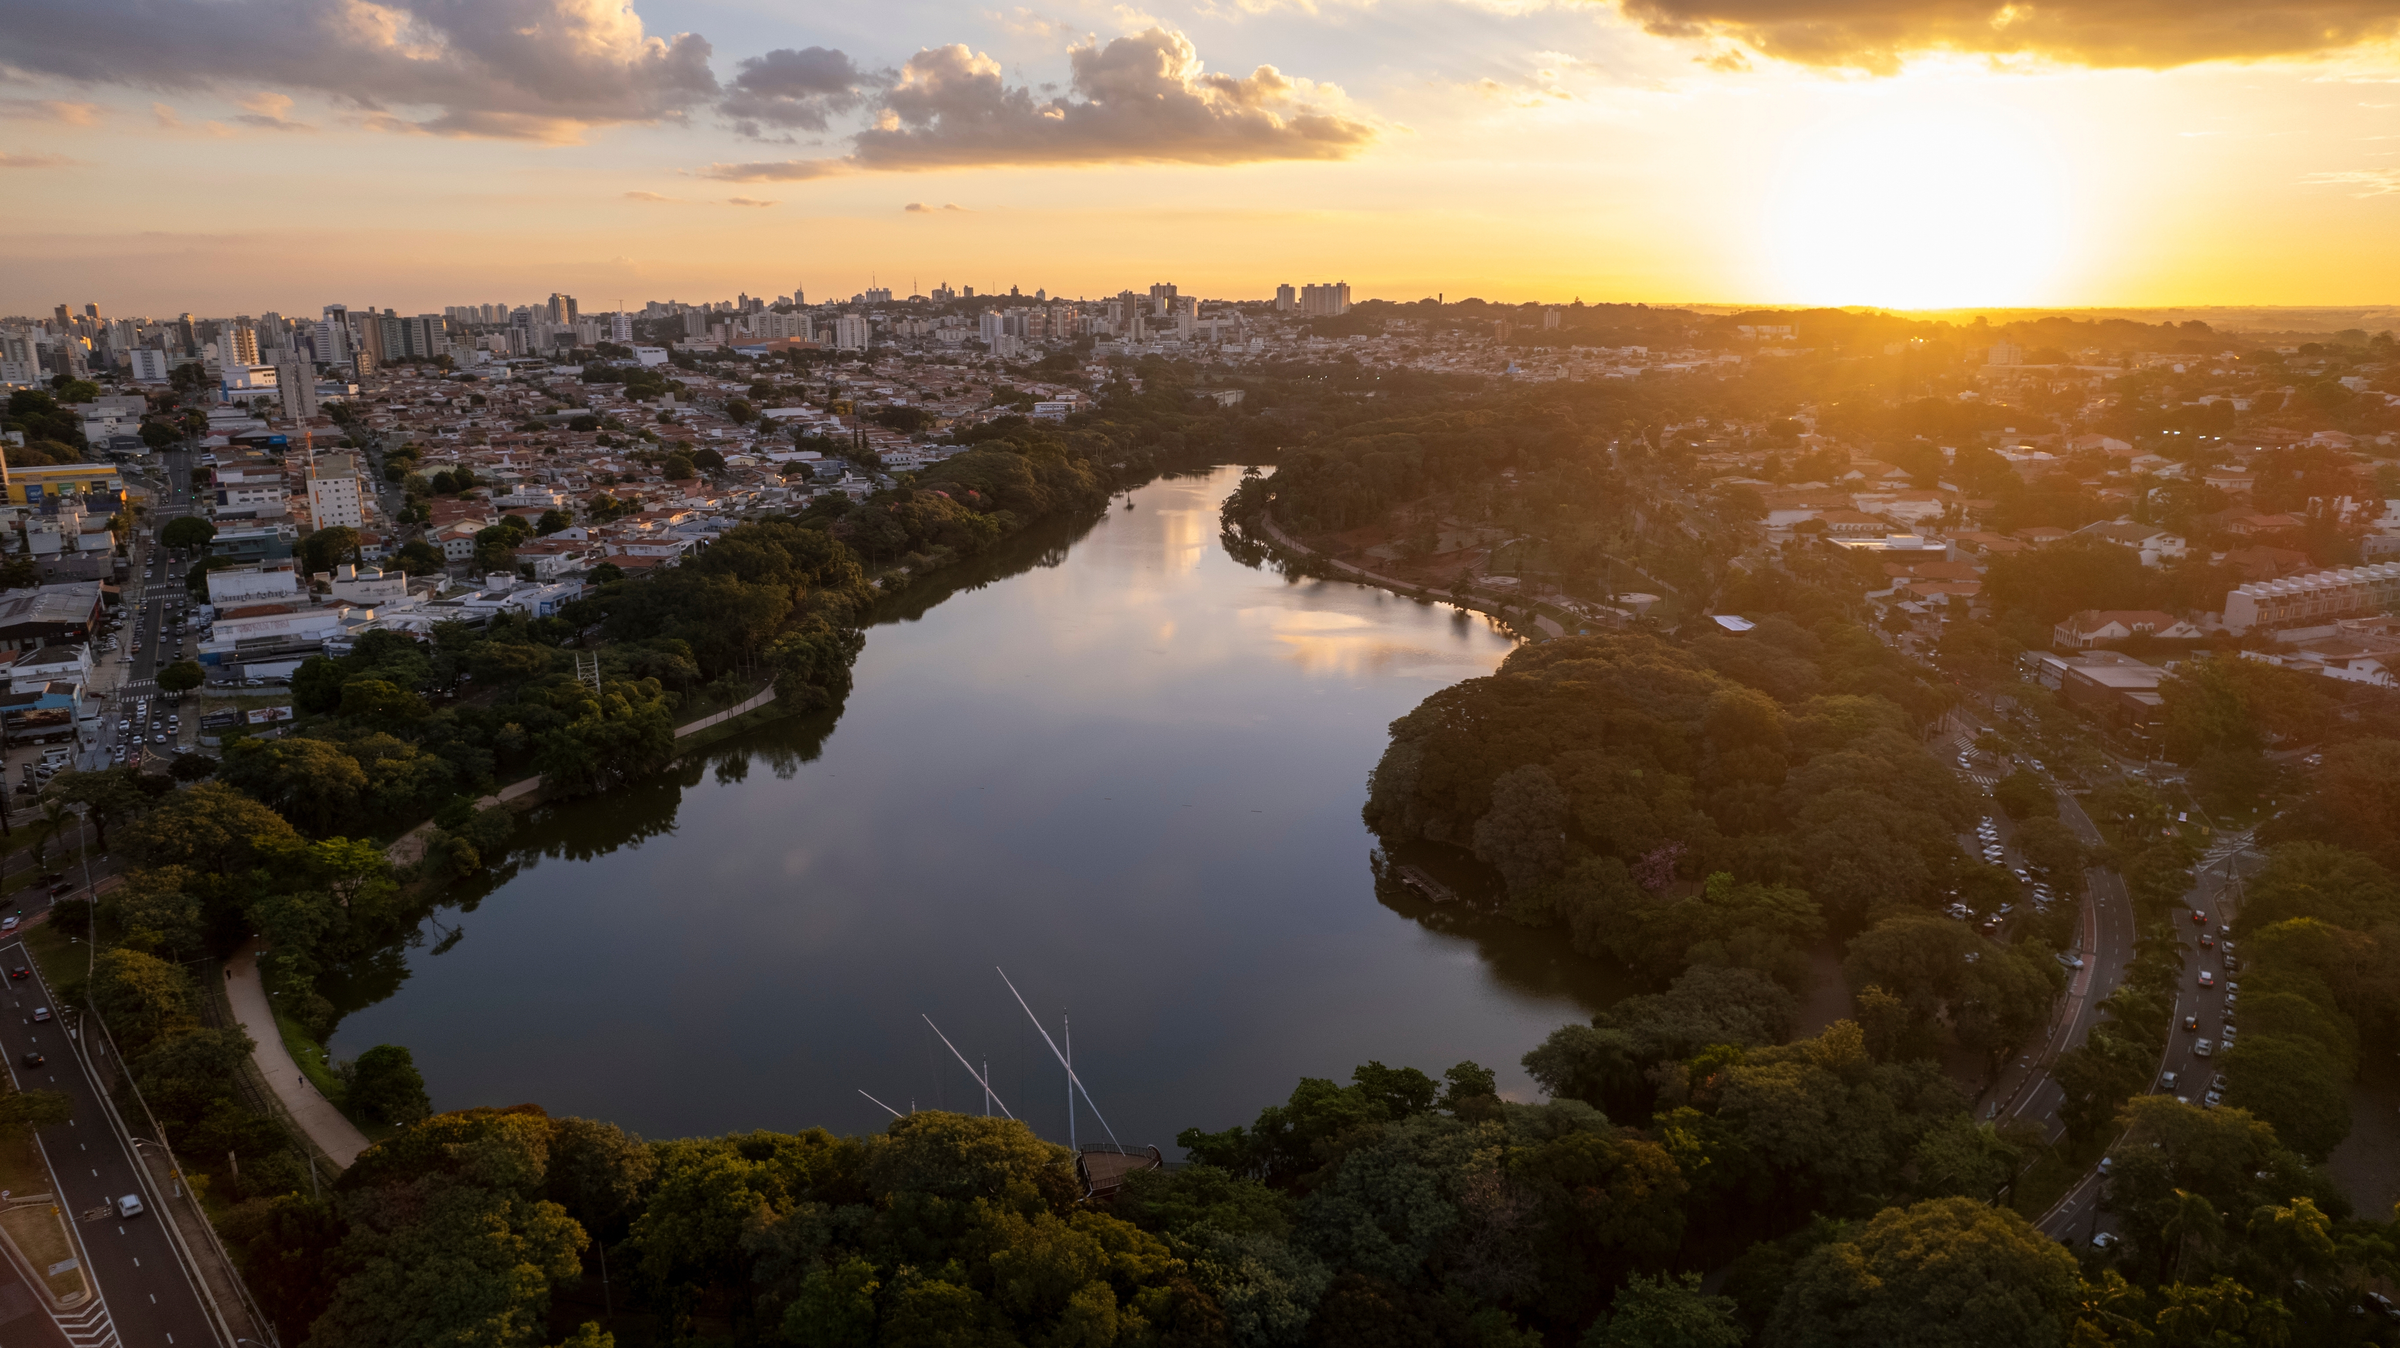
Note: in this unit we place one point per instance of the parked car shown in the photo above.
(2205, 1048)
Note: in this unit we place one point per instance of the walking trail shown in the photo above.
(335, 1135)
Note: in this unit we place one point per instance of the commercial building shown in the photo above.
(49, 615)
(333, 493)
(32, 484)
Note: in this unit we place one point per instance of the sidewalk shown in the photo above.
(335, 1135)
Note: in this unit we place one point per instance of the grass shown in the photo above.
(318, 1068)
(37, 1230)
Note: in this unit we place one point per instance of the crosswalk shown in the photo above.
(89, 1326)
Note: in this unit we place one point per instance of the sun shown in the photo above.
(1918, 204)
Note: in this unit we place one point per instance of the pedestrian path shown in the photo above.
(334, 1135)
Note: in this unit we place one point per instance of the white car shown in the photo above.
(130, 1206)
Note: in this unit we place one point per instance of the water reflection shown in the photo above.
(1109, 757)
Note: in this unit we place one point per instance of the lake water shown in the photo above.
(1114, 760)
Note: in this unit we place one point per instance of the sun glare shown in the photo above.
(1916, 208)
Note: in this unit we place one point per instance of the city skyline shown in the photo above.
(1678, 152)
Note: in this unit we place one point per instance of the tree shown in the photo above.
(56, 819)
(182, 676)
(328, 548)
(2024, 795)
(308, 781)
(1950, 1271)
(2053, 848)
(677, 467)
(191, 767)
(107, 795)
(386, 1086)
(552, 521)
(158, 434)
(140, 997)
(210, 828)
(187, 531)
(23, 1113)
(1668, 1311)
(420, 558)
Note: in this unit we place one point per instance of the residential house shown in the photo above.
(2104, 627)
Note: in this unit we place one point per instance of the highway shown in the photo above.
(148, 1298)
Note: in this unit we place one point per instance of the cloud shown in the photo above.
(1138, 99)
(777, 170)
(647, 196)
(746, 201)
(920, 208)
(34, 161)
(51, 110)
(787, 89)
(2369, 182)
(271, 112)
(2153, 34)
(525, 69)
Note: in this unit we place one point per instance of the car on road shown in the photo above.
(2207, 942)
(40, 1014)
(2204, 1048)
(19, 974)
(33, 1058)
(9, 923)
(2198, 916)
(2207, 979)
(2192, 1023)
(62, 887)
(2166, 1081)
(2104, 1240)
(130, 1206)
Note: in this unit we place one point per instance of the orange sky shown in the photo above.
(1512, 149)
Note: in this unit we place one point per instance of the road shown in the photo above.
(2027, 1092)
(148, 1295)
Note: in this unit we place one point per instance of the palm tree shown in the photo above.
(2191, 1219)
(54, 821)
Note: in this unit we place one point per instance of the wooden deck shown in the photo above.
(1104, 1168)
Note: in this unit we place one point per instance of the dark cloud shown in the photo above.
(2153, 34)
(1137, 99)
(789, 90)
(533, 69)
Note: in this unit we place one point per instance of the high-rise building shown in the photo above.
(1162, 299)
(329, 343)
(620, 328)
(237, 344)
(151, 366)
(1286, 299)
(296, 383)
(1325, 301)
(852, 332)
(333, 495)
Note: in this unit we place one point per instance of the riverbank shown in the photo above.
(1548, 620)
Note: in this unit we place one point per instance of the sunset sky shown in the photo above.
(222, 155)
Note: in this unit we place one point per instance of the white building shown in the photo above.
(852, 332)
(235, 586)
(151, 366)
(333, 493)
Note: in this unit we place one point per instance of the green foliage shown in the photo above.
(1582, 757)
(1667, 1311)
(186, 531)
(181, 677)
(2022, 794)
(25, 1112)
(141, 997)
(1949, 1271)
(385, 1086)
